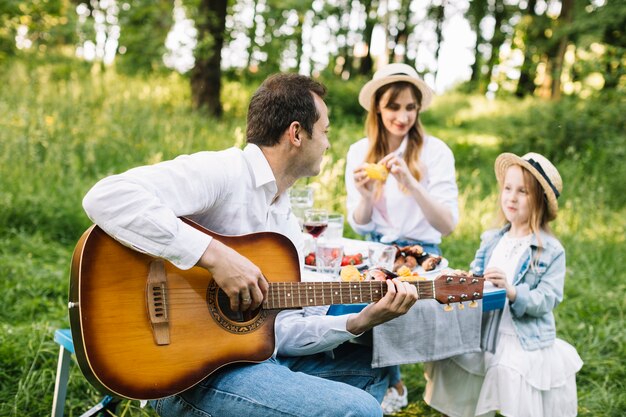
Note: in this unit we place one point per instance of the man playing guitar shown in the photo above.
(235, 192)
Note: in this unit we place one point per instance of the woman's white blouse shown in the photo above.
(404, 219)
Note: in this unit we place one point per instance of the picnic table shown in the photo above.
(427, 332)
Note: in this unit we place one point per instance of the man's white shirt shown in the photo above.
(230, 192)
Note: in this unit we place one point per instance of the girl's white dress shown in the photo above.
(512, 381)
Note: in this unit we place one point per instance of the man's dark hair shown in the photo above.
(279, 101)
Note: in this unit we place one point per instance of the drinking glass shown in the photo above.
(328, 255)
(382, 256)
(301, 198)
(335, 226)
(315, 222)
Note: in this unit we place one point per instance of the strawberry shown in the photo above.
(355, 259)
(310, 259)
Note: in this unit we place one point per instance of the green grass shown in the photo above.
(64, 125)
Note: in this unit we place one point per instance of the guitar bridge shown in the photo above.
(156, 298)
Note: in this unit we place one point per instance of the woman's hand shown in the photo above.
(399, 169)
(498, 278)
(364, 184)
(399, 299)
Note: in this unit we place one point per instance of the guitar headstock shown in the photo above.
(458, 288)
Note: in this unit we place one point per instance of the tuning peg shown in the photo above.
(461, 306)
(473, 304)
(448, 307)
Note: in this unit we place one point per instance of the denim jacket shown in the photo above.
(539, 287)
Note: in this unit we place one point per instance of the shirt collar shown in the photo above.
(264, 177)
(260, 167)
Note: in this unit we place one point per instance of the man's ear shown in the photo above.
(295, 133)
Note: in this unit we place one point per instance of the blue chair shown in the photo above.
(64, 338)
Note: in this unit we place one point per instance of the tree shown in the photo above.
(614, 37)
(531, 29)
(9, 12)
(206, 74)
(43, 24)
(565, 19)
(251, 34)
(367, 62)
(399, 28)
(144, 28)
(475, 14)
(499, 14)
(437, 12)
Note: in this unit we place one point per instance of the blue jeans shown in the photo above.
(314, 385)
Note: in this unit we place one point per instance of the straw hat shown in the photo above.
(390, 74)
(542, 169)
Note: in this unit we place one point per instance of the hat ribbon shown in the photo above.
(537, 166)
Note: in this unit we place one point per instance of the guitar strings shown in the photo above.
(296, 294)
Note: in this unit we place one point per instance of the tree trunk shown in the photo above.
(403, 28)
(475, 14)
(477, 64)
(206, 74)
(438, 13)
(526, 82)
(497, 39)
(366, 62)
(567, 11)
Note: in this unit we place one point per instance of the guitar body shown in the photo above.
(114, 336)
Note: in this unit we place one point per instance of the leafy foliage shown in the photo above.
(144, 28)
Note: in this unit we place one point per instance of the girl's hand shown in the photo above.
(498, 278)
(398, 168)
(364, 184)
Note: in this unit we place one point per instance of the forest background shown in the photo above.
(90, 89)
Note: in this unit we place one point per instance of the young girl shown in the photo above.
(417, 201)
(531, 373)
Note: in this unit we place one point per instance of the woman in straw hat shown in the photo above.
(417, 202)
(412, 197)
(531, 373)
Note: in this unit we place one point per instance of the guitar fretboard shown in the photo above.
(302, 294)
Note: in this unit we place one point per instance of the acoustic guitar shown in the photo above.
(144, 329)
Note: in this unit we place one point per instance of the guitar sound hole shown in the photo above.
(223, 303)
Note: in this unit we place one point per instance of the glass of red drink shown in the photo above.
(315, 222)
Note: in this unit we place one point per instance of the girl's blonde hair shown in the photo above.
(377, 134)
(537, 206)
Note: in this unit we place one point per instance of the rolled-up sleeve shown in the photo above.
(141, 207)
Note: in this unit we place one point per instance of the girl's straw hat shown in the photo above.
(390, 74)
(542, 169)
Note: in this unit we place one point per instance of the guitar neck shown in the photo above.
(283, 295)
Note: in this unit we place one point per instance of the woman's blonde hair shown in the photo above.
(377, 134)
